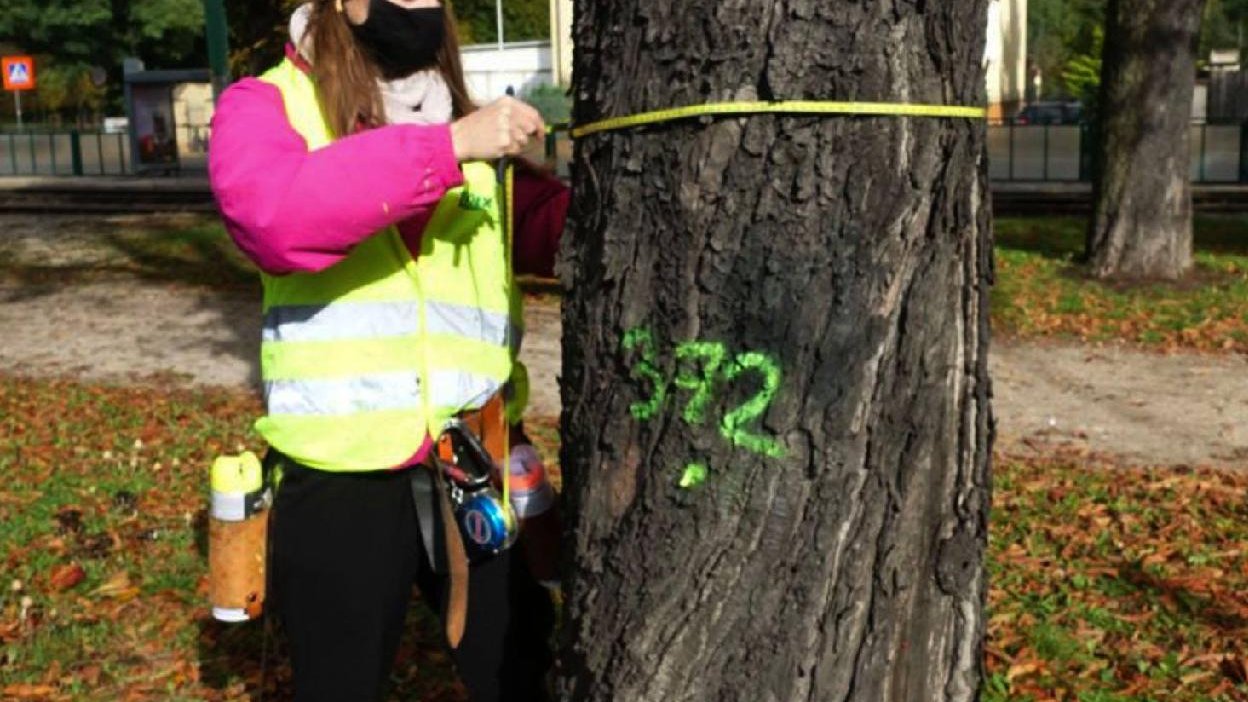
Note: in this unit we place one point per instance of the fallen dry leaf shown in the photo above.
(1235, 668)
(66, 576)
(28, 692)
(1020, 669)
(117, 586)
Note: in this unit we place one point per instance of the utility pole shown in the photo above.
(218, 45)
(498, 15)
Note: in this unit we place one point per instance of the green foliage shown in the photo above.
(164, 33)
(1065, 37)
(523, 20)
(258, 33)
(155, 18)
(73, 30)
(1082, 73)
(552, 101)
(1057, 32)
(67, 37)
(54, 87)
(1225, 26)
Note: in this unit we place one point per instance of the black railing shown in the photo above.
(1063, 152)
(73, 152)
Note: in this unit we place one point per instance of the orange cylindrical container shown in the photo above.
(238, 538)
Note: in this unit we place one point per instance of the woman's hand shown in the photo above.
(501, 128)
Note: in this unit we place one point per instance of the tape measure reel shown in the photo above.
(487, 523)
(485, 518)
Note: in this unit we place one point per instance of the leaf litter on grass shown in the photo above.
(1042, 290)
(1108, 583)
(103, 545)
(1112, 582)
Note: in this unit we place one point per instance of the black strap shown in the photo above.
(425, 495)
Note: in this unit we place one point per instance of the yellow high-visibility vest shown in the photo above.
(363, 359)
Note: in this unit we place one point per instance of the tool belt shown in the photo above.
(439, 524)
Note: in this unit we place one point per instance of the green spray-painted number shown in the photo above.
(734, 423)
(701, 369)
(694, 475)
(646, 370)
(711, 354)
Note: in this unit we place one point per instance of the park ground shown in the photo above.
(1119, 543)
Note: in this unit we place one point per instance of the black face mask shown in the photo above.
(401, 40)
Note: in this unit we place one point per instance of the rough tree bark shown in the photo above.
(1142, 197)
(776, 425)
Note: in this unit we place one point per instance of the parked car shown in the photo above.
(1050, 113)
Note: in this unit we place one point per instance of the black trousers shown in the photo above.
(346, 552)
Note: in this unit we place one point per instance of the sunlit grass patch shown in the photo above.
(1041, 289)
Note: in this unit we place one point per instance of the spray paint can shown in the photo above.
(531, 492)
(238, 538)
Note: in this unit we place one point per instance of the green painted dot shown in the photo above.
(695, 475)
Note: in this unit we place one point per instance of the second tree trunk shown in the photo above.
(1142, 221)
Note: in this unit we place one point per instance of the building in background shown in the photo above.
(561, 41)
(1005, 57)
(489, 69)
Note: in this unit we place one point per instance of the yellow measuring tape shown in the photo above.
(509, 191)
(795, 107)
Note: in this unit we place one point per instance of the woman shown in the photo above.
(355, 174)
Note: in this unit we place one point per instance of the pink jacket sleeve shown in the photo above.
(541, 210)
(290, 209)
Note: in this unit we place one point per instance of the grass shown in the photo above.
(1042, 291)
(1108, 583)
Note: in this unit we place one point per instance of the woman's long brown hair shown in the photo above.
(346, 78)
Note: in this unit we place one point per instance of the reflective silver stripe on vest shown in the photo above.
(458, 390)
(344, 396)
(341, 321)
(340, 397)
(468, 322)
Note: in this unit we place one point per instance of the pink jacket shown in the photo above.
(294, 210)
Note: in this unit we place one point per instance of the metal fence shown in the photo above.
(1036, 152)
(1016, 152)
(92, 153)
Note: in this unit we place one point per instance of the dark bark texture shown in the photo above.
(776, 400)
(1142, 212)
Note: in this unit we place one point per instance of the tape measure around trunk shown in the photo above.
(794, 107)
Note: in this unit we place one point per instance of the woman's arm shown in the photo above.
(290, 209)
(541, 208)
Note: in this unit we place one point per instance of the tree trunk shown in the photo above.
(776, 419)
(1142, 213)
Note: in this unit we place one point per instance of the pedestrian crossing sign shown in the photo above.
(18, 72)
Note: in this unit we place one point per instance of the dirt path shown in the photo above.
(1147, 407)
